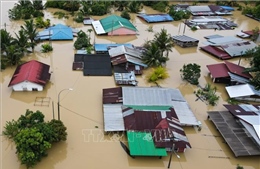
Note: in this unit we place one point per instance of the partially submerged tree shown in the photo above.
(158, 73)
(30, 29)
(33, 137)
(191, 73)
(207, 94)
(83, 41)
(164, 41)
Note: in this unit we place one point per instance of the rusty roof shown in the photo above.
(218, 70)
(112, 95)
(242, 109)
(238, 70)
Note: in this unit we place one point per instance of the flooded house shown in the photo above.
(114, 25)
(228, 73)
(125, 58)
(157, 112)
(30, 76)
(127, 78)
(185, 41)
(154, 18)
(240, 128)
(102, 48)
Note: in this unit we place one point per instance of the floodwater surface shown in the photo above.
(81, 109)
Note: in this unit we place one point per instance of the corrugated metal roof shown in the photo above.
(242, 109)
(204, 19)
(150, 18)
(237, 78)
(142, 144)
(125, 78)
(113, 117)
(98, 27)
(243, 90)
(237, 69)
(184, 38)
(105, 47)
(114, 22)
(146, 96)
(224, 40)
(199, 9)
(112, 95)
(238, 49)
(87, 21)
(218, 70)
(215, 51)
(213, 36)
(61, 32)
(31, 71)
(119, 50)
(176, 95)
(234, 134)
(184, 113)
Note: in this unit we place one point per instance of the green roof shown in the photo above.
(155, 108)
(114, 22)
(142, 144)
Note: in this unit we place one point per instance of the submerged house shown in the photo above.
(228, 73)
(240, 128)
(57, 32)
(101, 48)
(114, 25)
(127, 78)
(158, 113)
(30, 76)
(153, 18)
(185, 41)
(126, 58)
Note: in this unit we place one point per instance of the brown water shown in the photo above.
(81, 109)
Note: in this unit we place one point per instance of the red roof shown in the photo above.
(218, 70)
(238, 70)
(249, 32)
(215, 51)
(32, 71)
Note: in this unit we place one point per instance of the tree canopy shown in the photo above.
(33, 136)
(191, 73)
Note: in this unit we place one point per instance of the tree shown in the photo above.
(33, 137)
(164, 41)
(30, 29)
(152, 56)
(207, 94)
(6, 40)
(191, 73)
(134, 6)
(13, 55)
(83, 41)
(125, 15)
(22, 40)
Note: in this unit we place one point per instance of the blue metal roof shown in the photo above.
(156, 17)
(104, 47)
(229, 8)
(57, 32)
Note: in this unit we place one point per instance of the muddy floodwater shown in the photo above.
(81, 109)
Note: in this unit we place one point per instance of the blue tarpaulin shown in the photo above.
(229, 8)
(156, 17)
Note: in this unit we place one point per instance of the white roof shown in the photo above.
(204, 19)
(238, 49)
(242, 35)
(199, 9)
(119, 50)
(184, 113)
(113, 117)
(254, 128)
(146, 96)
(224, 40)
(241, 91)
(98, 27)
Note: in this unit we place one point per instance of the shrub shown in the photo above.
(158, 73)
(46, 48)
(191, 73)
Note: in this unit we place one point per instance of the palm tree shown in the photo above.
(153, 56)
(163, 41)
(13, 55)
(31, 31)
(22, 40)
(6, 40)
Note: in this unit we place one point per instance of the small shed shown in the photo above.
(125, 78)
(152, 18)
(185, 41)
(30, 76)
(228, 8)
(101, 48)
(88, 21)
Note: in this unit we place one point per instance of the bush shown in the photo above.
(191, 73)
(158, 73)
(46, 48)
(207, 94)
(125, 15)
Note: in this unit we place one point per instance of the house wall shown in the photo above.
(27, 86)
(122, 31)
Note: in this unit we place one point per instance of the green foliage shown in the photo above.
(125, 15)
(150, 28)
(233, 101)
(255, 34)
(66, 5)
(252, 10)
(6, 40)
(13, 55)
(239, 167)
(208, 94)
(191, 73)
(83, 41)
(134, 6)
(161, 6)
(158, 73)
(61, 14)
(164, 41)
(41, 23)
(30, 30)
(178, 15)
(33, 137)
(46, 48)
(99, 9)
(79, 18)
(26, 10)
(194, 28)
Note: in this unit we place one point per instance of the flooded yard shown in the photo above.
(81, 109)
